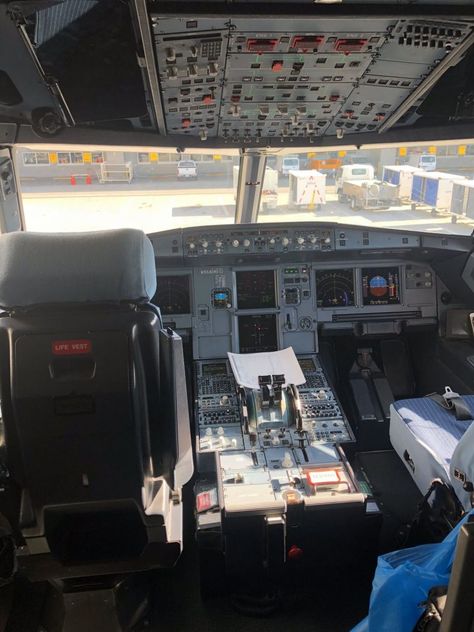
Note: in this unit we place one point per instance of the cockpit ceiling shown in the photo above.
(229, 75)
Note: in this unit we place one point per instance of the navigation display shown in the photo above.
(172, 294)
(335, 288)
(381, 286)
(256, 289)
(257, 333)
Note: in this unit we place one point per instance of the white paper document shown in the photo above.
(248, 366)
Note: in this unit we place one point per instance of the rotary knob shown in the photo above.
(312, 239)
(170, 54)
(246, 243)
(300, 240)
(236, 243)
(327, 240)
(218, 244)
(285, 241)
(204, 243)
(191, 245)
(272, 241)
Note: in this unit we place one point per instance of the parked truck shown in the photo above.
(362, 172)
(307, 189)
(370, 194)
(269, 197)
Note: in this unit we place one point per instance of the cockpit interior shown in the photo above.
(236, 315)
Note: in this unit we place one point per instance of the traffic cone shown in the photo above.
(73, 180)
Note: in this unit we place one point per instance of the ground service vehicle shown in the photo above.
(216, 416)
(187, 170)
(288, 164)
(370, 194)
(402, 177)
(427, 162)
(307, 189)
(353, 173)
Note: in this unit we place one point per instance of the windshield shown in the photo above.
(84, 188)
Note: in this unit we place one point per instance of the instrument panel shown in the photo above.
(263, 300)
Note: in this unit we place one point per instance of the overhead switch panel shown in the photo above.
(250, 79)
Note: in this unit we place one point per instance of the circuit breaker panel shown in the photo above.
(248, 79)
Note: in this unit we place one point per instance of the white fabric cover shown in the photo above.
(420, 434)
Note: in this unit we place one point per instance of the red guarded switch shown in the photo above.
(207, 99)
(277, 65)
(186, 122)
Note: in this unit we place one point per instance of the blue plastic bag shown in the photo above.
(402, 582)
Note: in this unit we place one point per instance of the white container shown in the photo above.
(462, 200)
(401, 176)
(434, 189)
(307, 188)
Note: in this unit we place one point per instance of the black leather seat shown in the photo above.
(94, 439)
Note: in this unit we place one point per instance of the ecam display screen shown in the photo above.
(256, 289)
(257, 333)
(381, 286)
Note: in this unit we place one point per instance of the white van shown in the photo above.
(290, 163)
(353, 172)
(427, 162)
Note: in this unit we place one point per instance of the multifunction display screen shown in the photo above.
(306, 364)
(256, 289)
(335, 288)
(257, 333)
(173, 294)
(381, 286)
(214, 369)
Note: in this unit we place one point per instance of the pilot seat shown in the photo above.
(97, 441)
(434, 437)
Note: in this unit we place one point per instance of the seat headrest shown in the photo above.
(98, 267)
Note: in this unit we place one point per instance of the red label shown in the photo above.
(71, 347)
(203, 501)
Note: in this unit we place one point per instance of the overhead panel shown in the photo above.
(248, 79)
